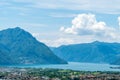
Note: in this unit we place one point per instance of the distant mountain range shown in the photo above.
(95, 52)
(19, 47)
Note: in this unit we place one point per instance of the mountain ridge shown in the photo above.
(94, 52)
(23, 48)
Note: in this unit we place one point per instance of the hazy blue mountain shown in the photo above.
(116, 61)
(20, 47)
(95, 52)
(4, 59)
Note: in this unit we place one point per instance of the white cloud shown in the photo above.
(102, 6)
(36, 35)
(91, 5)
(85, 28)
(58, 42)
(119, 21)
(86, 24)
(62, 28)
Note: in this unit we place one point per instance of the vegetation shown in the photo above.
(55, 74)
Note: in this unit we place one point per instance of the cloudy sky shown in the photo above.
(58, 22)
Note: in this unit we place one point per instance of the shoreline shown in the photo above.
(55, 74)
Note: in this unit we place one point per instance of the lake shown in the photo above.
(75, 66)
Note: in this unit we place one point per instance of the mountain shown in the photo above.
(19, 47)
(4, 59)
(95, 52)
(116, 62)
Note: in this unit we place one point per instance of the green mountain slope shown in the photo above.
(95, 52)
(22, 48)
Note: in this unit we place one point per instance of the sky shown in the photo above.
(63, 22)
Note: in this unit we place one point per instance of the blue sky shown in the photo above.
(44, 19)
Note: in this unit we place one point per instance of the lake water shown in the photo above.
(76, 66)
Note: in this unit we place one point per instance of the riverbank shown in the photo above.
(55, 74)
